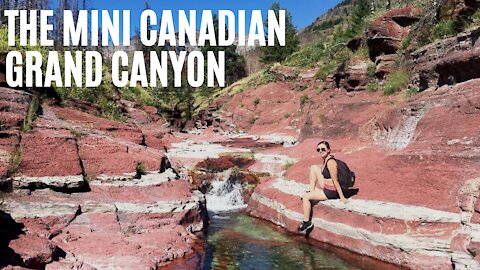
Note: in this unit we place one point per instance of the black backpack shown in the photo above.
(346, 177)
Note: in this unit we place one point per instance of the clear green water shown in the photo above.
(242, 242)
(237, 241)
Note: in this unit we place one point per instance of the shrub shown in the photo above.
(476, 17)
(256, 101)
(412, 91)
(300, 87)
(304, 99)
(424, 38)
(319, 89)
(288, 164)
(308, 56)
(444, 29)
(371, 69)
(140, 170)
(14, 162)
(372, 86)
(76, 134)
(31, 114)
(287, 115)
(396, 82)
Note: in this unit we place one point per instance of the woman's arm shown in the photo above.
(332, 167)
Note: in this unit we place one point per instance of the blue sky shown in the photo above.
(303, 12)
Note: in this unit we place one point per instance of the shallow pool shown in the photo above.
(238, 241)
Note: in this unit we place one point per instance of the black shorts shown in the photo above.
(333, 194)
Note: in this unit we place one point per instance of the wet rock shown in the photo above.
(224, 162)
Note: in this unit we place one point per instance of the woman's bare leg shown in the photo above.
(316, 176)
(316, 195)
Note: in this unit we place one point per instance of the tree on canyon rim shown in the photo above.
(235, 65)
(278, 53)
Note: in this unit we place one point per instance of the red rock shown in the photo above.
(13, 111)
(385, 65)
(284, 72)
(154, 134)
(118, 226)
(385, 33)
(136, 116)
(117, 129)
(355, 77)
(397, 147)
(10, 267)
(97, 153)
(277, 112)
(35, 252)
(8, 142)
(223, 163)
(67, 264)
(150, 109)
(49, 152)
(446, 62)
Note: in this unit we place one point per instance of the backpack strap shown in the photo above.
(326, 162)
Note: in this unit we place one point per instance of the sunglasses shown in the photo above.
(321, 150)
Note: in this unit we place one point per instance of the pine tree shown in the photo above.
(278, 53)
(360, 12)
(235, 65)
(147, 49)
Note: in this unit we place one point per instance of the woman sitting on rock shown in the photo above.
(327, 177)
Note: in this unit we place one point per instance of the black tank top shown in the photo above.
(326, 171)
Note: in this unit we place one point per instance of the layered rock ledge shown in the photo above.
(89, 193)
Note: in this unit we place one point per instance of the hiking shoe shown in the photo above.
(305, 226)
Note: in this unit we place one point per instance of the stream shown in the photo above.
(235, 240)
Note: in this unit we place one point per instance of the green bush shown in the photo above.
(140, 170)
(396, 82)
(444, 29)
(475, 18)
(412, 91)
(288, 164)
(372, 86)
(256, 101)
(371, 69)
(14, 162)
(300, 87)
(308, 56)
(304, 99)
(31, 115)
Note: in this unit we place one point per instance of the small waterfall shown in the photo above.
(225, 195)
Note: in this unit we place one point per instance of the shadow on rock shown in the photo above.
(9, 230)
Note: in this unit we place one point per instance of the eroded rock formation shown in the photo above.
(447, 61)
(76, 203)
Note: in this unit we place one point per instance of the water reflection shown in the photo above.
(242, 242)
